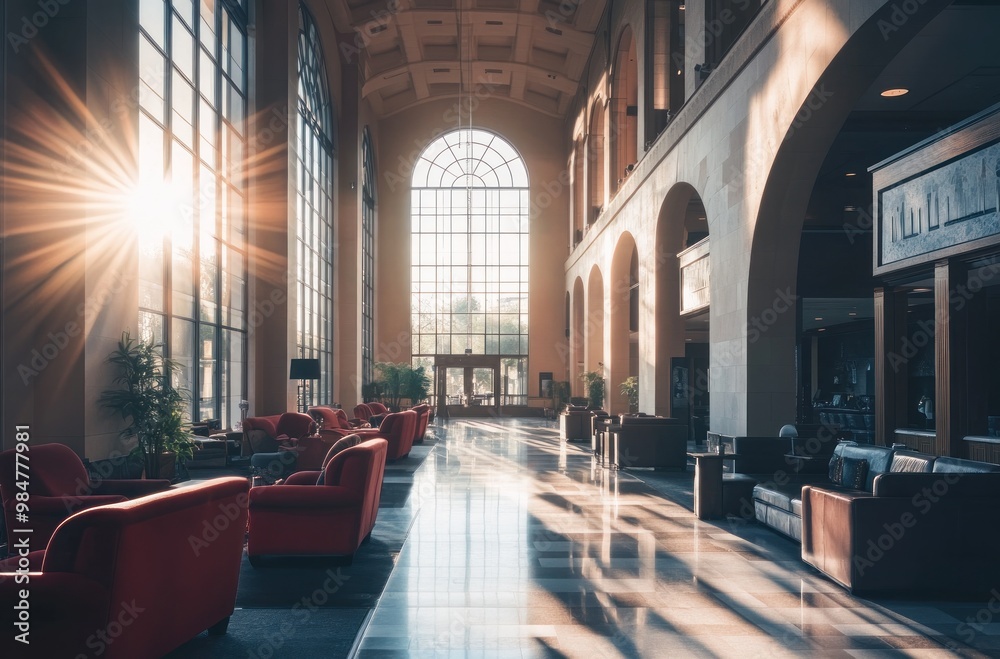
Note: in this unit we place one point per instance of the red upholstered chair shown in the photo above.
(151, 574)
(398, 429)
(59, 486)
(423, 411)
(363, 412)
(260, 433)
(378, 408)
(300, 517)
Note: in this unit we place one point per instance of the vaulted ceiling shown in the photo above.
(532, 52)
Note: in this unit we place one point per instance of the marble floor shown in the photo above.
(520, 546)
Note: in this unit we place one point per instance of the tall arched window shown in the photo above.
(314, 152)
(192, 139)
(469, 255)
(367, 258)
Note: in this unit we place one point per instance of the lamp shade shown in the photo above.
(304, 369)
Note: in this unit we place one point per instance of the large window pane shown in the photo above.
(179, 94)
(469, 251)
(315, 210)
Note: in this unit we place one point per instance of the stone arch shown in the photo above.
(594, 327)
(577, 331)
(770, 330)
(674, 233)
(624, 107)
(623, 286)
(596, 168)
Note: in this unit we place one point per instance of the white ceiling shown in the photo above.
(532, 52)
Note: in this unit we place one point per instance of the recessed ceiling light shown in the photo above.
(852, 313)
(849, 174)
(681, 7)
(821, 329)
(702, 219)
(850, 209)
(687, 340)
(817, 318)
(898, 91)
(921, 290)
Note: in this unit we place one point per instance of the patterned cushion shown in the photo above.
(854, 473)
(836, 469)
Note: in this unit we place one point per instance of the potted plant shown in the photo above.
(594, 381)
(416, 384)
(146, 398)
(630, 391)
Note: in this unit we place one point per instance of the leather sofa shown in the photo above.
(922, 525)
(647, 441)
(152, 573)
(301, 517)
(59, 486)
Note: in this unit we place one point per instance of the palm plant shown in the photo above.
(146, 398)
(630, 391)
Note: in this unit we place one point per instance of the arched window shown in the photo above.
(367, 258)
(193, 64)
(469, 259)
(314, 152)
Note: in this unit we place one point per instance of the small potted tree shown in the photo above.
(146, 398)
(415, 384)
(594, 381)
(630, 391)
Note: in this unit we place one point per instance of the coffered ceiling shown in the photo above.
(531, 52)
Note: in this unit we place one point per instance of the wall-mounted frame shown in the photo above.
(939, 198)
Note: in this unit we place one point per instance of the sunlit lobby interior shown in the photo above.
(500, 328)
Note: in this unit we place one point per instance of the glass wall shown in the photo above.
(192, 141)
(314, 159)
(469, 253)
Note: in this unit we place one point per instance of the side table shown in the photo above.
(709, 484)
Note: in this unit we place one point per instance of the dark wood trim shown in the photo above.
(950, 384)
(890, 374)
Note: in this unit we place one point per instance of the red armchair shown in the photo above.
(423, 411)
(398, 429)
(59, 486)
(363, 411)
(153, 573)
(260, 433)
(303, 518)
(378, 408)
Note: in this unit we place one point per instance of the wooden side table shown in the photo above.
(708, 484)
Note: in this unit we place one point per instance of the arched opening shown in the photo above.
(579, 192)
(682, 309)
(624, 110)
(624, 317)
(594, 326)
(595, 163)
(817, 201)
(469, 271)
(577, 336)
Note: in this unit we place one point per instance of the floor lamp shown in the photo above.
(302, 370)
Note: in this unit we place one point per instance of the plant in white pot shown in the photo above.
(147, 399)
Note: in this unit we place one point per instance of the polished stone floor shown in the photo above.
(520, 546)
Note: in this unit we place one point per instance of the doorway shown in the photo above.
(467, 385)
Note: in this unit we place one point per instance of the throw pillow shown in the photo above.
(836, 469)
(854, 473)
(338, 446)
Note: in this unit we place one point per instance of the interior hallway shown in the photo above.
(521, 546)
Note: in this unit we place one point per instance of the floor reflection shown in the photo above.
(522, 546)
